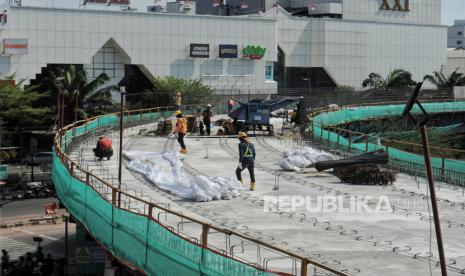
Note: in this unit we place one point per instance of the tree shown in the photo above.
(93, 98)
(398, 78)
(164, 90)
(18, 106)
(442, 81)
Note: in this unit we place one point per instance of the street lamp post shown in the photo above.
(429, 171)
(76, 106)
(121, 131)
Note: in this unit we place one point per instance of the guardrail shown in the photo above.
(137, 236)
(325, 130)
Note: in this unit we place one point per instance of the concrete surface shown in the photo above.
(397, 242)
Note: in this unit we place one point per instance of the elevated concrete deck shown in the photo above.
(361, 243)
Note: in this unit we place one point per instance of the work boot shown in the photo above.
(183, 151)
(252, 186)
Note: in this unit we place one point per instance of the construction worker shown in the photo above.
(294, 116)
(246, 159)
(181, 130)
(207, 114)
(104, 148)
(177, 101)
(231, 103)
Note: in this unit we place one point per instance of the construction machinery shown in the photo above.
(254, 116)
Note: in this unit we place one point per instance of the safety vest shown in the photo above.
(181, 125)
(248, 152)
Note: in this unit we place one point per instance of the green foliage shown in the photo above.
(93, 98)
(164, 90)
(18, 106)
(442, 81)
(398, 78)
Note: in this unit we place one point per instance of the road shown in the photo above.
(24, 209)
(18, 240)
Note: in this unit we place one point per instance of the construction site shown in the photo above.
(186, 214)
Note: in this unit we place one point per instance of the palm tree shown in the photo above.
(398, 78)
(164, 89)
(442, 81)
(18, 105)
(93, 98)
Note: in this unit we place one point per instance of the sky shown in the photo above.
(451, 9)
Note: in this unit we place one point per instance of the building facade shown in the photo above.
(456, 34)
(328, 43)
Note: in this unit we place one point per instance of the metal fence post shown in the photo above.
(304, 267)
(321, 133)
(442, 167)
(350, 141)
(329, 137)
(205, 229)
(338, 135)
(366, 142)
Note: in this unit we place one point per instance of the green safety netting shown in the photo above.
(446, 169)
(134, 238)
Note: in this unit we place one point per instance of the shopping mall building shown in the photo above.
(300, 43)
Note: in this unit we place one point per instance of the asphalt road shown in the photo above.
(28, 208)
(18, 241)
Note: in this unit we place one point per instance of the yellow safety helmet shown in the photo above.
(242, 135)
(178, 94)
(178, 112)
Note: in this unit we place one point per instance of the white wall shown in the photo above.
(160, 42)
(349, 50)
(455, 60)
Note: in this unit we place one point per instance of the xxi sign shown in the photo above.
(398, 5)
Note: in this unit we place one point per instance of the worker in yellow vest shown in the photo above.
(246, 159)
(181, 130)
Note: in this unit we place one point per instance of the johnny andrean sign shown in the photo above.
(198, 50)
(395, 5)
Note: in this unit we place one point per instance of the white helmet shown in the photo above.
(209, 105)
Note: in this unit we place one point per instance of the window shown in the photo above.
(104, 61)
(460, 33)
(269, 72)
(459, 42)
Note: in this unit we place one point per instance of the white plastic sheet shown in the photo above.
(298, 159)
(164, 170)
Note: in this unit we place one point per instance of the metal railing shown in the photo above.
(205, 233)
(417, 169)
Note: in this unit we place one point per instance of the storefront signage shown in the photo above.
(199, 50)
(13, 46)
(253, 52)
(107, 2)
(397, 5)
(228, 51)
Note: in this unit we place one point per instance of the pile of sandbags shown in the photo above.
(164, 170)
(298, 159)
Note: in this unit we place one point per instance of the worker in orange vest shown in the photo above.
(181, 130)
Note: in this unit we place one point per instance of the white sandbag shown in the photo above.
(298, 159)
(165, 171)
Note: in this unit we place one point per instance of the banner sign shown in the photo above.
(107, 2)
(253, 52)
(199, 50)
(228, 51)
(13, 46)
